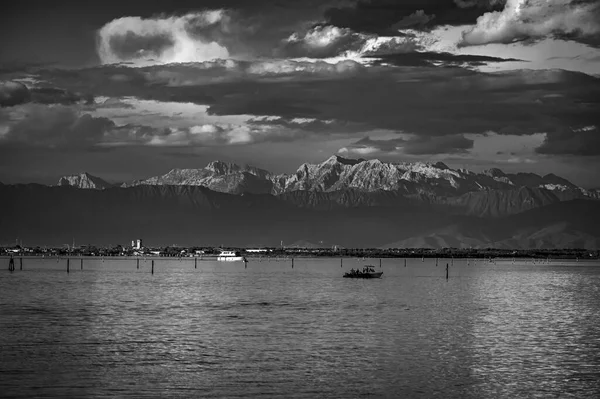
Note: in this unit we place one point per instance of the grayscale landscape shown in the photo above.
(300, 199)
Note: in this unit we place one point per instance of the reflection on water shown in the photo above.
(491, 330)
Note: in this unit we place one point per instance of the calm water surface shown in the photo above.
(111, 330)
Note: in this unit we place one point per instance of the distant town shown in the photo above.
(138, 249)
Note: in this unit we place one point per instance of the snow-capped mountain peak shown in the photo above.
(84, 180)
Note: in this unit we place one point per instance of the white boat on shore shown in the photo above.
(230, 256)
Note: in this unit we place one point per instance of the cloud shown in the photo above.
(13, 93)
(537, 19)
(427, 101)
(449, 144)
(430, 58)
(479, 3)
(413, 145)
(323, 42)
(63, 127)
(328, 41)
(55, 127)
(194, 37)
(583, 141)
(55, 95)
(416, 20)
(383, 16)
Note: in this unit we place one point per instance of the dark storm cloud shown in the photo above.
(584, 141)
(13, 93)
(429, 101)
(55, 127)
(426, 101)
(416, 20)
(429, 58)
(452, 144)
(54, 95)
(380, 16)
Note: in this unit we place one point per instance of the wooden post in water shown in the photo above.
(138, 263)
(436, 262)
(11, 264)
(446, 271)
(380, 263)
(341, 262)
(68, 264)
(292, 263)
(404, 262)
(196, 263)
(21, 263)
(81, 263)
(152, 266)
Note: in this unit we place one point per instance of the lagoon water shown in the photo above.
(111, 330)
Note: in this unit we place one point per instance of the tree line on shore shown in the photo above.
(179, 251)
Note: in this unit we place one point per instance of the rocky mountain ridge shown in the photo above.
(84, 180)
(412, 180)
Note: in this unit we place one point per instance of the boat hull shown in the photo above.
(364, 275)
(230, 258)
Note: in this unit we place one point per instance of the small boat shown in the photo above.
(367, 272)
(230, 256)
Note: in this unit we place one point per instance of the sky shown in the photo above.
(127, 90)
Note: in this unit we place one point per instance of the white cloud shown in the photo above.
(163, 40)
(358, 150)
(535, 19)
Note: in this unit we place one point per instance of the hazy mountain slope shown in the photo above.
(497, 203)
(191, 215)
(570, 224)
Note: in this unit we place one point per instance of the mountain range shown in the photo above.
(348, 202)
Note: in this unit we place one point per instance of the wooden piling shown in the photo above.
(21, 263)
(404, 262)
(11, 264)
(138, 263)
(292, 263)
(380, 263)
(68, 264)
(341, 262)
(196, 263)
(152, 266)
(436, 262)
(446, 271)
(81, 263)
